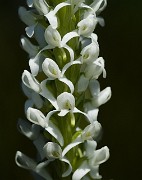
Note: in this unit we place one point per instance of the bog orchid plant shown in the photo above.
(63, 89)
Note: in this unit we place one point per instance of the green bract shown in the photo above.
(63, 89)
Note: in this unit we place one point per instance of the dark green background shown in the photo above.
(121, 46)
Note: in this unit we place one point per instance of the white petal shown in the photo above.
(93, 115)
(55, 132)
(26, 16)
(68, 83)
(78, 111)
(29, 80)
(90, 53)
(60, 5)
(42, 170)
(101, 21)
(31, 49)
(71, 52)
(95, 69)
(69, 65)
(94, 173)
(66, 101)
(63, 112)
(37, 100)
(100, 156)
(103, 97)
(90, 147)
(51, 16)
(87, 26)
(47, 94)
(28, 103)
(52, 150)
(24, 161)
(34, 65)
(52, 37)
(68, 37)
(30, 30)
(94, 87)
(52, 19)
(91, 131)
(82, 84)
(71, 145)
(36, 117)
(99, 5)
(47, 118)
(81, 171)
(30, 131)
(30, 3)
(39, 35)
(41, 6)
(69, 170)
(51, 69)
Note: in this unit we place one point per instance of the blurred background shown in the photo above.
(121, 118)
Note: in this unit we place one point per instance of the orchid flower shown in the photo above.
(91, 164)
(27, 163)
(37, 117)
(53, 151)
(51, 69)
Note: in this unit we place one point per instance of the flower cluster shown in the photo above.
(63, 89)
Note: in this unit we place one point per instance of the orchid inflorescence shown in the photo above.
(62, 88)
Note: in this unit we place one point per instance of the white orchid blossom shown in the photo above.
(30, 81)
(91, 131)
(94, 159)
(51, 69)
(99, 97)
(87, 26)
(65, 104)
(93, 70)
(27, 163)
(90, 53)
(31, 49)
(53, 38)
(37, 117)
(54, 151)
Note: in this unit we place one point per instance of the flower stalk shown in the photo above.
(63, 89)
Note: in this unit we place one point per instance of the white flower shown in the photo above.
(41, 6)
(64, 104)
(29, 80)
(99, 97)
(91, 131)
(93, 70)
(37, 117)
(53, 38)
(54, 151)
(31, 49)
(51, 69)
(27, 163)
(87, 26)
(94, 159)
(90, 53)
(29, 19)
